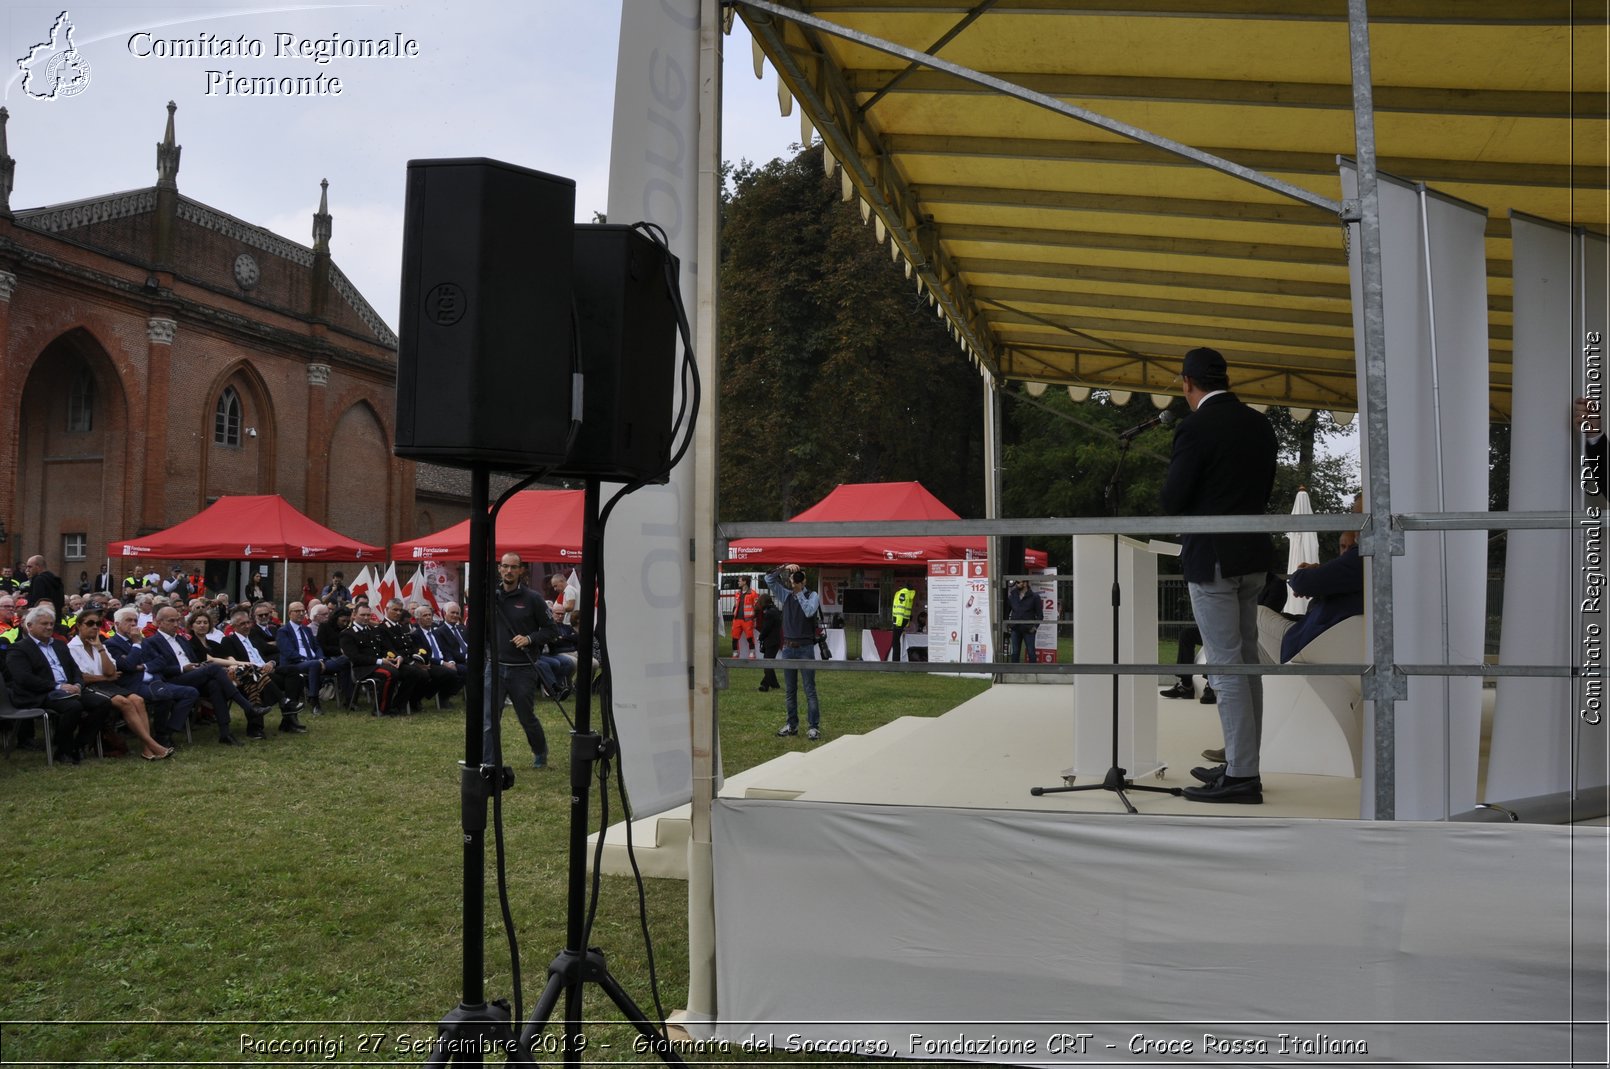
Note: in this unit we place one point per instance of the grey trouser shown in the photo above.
(1227, 615)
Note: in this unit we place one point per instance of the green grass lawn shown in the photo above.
(161, 911)
(317, 878)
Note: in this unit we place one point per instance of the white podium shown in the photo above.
(1092, 642)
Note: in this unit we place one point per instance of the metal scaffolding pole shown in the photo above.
(1380, 542)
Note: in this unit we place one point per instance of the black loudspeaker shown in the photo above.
(628, 350)
(1013, 555)
(485, 350)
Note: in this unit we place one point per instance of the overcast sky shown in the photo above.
(527, 81)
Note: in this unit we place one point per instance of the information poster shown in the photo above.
(958, 611)
(1045, 638)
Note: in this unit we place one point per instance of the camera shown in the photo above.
(796, 578)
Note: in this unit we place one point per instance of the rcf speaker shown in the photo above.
(628, 352)
(485, 350)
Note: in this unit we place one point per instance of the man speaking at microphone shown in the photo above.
(1223, 464)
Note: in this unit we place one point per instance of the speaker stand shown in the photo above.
(475, 1027)
(575, 965)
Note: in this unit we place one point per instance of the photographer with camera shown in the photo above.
(801, 607)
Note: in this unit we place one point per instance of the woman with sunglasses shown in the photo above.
(88, 648)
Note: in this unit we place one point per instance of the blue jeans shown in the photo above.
(1227, 614)
(1023, 642)
(813, 711)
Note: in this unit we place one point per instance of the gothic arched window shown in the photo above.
(226, 418)
(81, 401)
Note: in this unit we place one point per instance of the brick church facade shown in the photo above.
(159, 353)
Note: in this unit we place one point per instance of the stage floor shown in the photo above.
(986, 754)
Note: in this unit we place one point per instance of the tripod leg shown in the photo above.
(470, 1033)
(636, 1017)
(558, 981)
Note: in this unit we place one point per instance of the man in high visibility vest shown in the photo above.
(744, 616)
(905, 599)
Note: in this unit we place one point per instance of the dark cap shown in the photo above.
(1204, 363)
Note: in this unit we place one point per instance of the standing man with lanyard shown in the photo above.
(524, 627)
(1223, 464)
(800, 606)
(905, 599)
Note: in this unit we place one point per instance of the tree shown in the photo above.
(1059, 456)
(833, 369)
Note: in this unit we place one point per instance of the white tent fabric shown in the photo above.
(1304, 550)
(984, 934)
(1437, 375)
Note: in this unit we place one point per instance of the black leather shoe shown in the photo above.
(1205, 774)
(290, 725)
(1208, 697)
(260, 711)
(292, 707)
(1244, 792)
(256, 733)
(228, 740)
(1179, 690)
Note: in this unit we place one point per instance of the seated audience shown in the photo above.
(100, 674)
(249, 645)
(177, 657)
(44, 675)
(169, 704)
(372, 657)
(447, 673)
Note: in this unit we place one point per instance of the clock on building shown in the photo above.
(246, 273)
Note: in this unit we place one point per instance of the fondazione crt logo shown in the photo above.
(53, 69)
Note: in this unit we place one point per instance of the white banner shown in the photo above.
(1439, 592)
(1536, 723)
(653, 176)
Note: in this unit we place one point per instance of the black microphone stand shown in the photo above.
(1116, 780)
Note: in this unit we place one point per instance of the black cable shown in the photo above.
(683, 424)
(489, 598)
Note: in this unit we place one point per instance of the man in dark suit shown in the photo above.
(45, 676)
(169, 657)
(447, 672)
(1223, 464)
(170, 703)
(299, 649)
(450, 634)
(250, 642)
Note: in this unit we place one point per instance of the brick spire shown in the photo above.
(322, 226)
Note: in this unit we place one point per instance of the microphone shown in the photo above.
(1164, 417)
